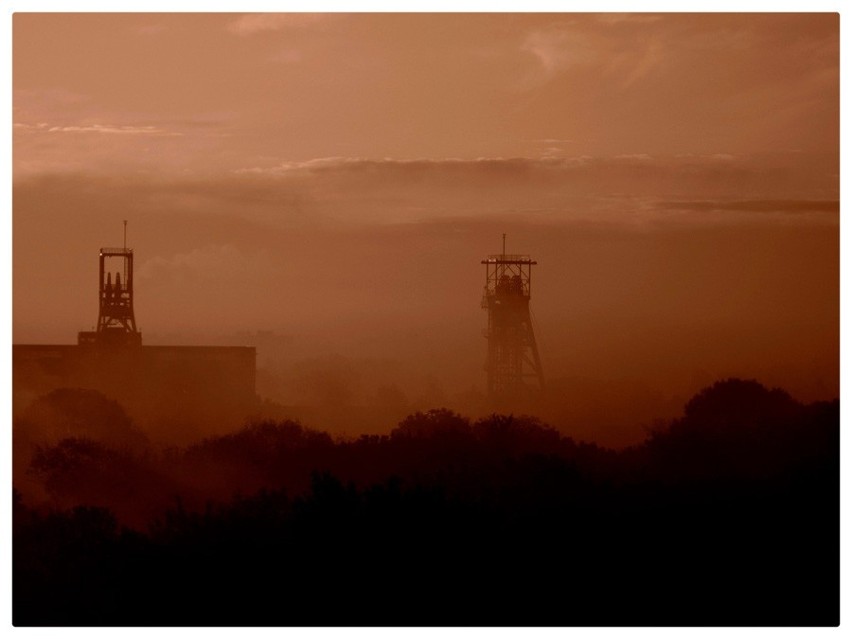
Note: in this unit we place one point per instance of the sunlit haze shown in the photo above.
(324, 187)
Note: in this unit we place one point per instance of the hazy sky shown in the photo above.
(209, 92)
(336, 178)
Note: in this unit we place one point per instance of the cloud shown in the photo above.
(304, 165)
(560, 47)
(341, 192)
(627, 18)
(109, 129)
(360, 163)
(253, 23)
(527, 166)
(627, 55)
(756, 206)
(605, 189)
(633, 156)
(108, 144)
(647, 59)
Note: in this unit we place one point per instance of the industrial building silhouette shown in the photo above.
(172, 392)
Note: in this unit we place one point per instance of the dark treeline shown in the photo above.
(727, 516)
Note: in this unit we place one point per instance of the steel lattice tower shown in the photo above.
(116, 320)
(513, 359)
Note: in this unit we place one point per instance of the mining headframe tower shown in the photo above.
(116, 321)
(513, 366)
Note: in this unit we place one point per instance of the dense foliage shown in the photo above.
(727, 516)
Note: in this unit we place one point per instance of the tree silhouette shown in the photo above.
(728, 515)
(438, 422)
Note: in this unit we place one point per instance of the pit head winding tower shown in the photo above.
(513, 365)
(116, 321)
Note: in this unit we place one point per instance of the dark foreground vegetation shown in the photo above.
(728, 516)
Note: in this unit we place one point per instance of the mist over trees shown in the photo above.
(661, 296)
(309, 198)
(727, 515)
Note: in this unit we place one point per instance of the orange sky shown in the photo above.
(202, 92)
(336, 179)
